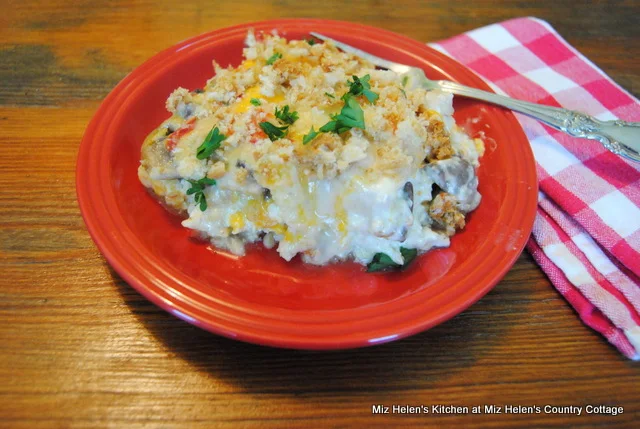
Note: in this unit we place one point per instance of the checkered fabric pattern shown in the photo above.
(586, 235)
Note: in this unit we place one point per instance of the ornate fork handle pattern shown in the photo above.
(620, 137)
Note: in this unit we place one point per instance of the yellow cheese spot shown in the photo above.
(290, 58)
(254, 92)
(158, 188)
(256, 212)
(245, 103)
(283, 230)
(279, 229)
(247, 64)
(333, 109)
(236, 221)
(341, 215)
(309, 190)
(479, 144)
(342, 224)
(431, 112)
(295, 136)
(277, 98)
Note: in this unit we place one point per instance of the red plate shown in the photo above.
(260, 298)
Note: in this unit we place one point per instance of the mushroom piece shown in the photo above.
(266, 194)
(186, 110)
(457, 177)
(408, 193)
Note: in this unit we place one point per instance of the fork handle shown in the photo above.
(620, 137)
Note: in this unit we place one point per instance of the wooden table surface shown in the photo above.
(80, 348)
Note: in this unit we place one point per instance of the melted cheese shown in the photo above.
(236, 222)
(254, 92)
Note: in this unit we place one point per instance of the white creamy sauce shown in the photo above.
(341, 196)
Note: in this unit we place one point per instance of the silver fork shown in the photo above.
(620, 137)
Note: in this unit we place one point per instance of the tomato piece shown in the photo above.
(173, 139)
(259, 134)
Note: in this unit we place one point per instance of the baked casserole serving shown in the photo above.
(315, 152)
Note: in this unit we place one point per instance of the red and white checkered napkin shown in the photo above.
(586, 235)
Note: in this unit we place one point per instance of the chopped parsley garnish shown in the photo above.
(272, 59)
(351, 116)
(361, 86)
(210, 144)
(255, 102)
(308, 137)
(272, 131)
(329, 95)
(333, 127)
(285, 116)
(197, 189)
(382, 261)
(311, 41)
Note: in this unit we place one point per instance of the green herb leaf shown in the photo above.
(200, 198)
(285, 116)
(255, 102)
(382, 261)
(408, 255)
(272, 59)
(273, 132)
(210, 144)
(351, 116)
(311, 41)
(329, 95)
(329, 127)
(361, 86)
(312, 135)
(197, 189)
(334, 127)
(371, 96)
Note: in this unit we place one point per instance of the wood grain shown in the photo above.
(80, 348)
